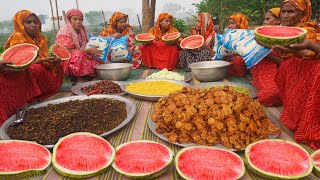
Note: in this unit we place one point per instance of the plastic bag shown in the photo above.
(119, 50)
(241, 42)
(103, 44)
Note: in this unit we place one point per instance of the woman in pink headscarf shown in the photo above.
(73, 36)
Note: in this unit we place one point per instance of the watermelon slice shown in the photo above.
(278, 159)
(269, 36)
(21, 159)
(82, 155)
(192, 42)
(315, 158)
(57, 50)
(204, 162)
(171, 37)
(144, 38)
(21, 55)
(142, 159)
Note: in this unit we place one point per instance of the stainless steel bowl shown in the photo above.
(209, 70)
(114, 71)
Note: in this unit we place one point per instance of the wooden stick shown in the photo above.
(139, 22)
(57, 14)
(191, 15)
(52, 18)
(104, 19)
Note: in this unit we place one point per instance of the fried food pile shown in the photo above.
(219, 115)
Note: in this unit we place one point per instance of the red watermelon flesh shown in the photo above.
(83, 153)
(171, 37)
(279, 158)
(20, 55)
(60, 51)
(142, 158)
(17, 156)
(192, 42)
(316, 159)
(209, 163)
(145, 37)
(281, 31)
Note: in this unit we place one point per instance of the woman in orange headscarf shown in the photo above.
(118, 27)
(158, 54)
(238, 66)
(41, 79)
(74, 37)
(205, 27)
(298, 78)
(264, 72)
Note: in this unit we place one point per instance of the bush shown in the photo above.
(1, 49)
(180, 24)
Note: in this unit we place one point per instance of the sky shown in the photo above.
(176, 7)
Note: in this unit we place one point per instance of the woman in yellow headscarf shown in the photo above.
(272, 17)
(298, 78)
(205, 27)
(238, 21)
(119, 26)
(158, 54)
(40, 80)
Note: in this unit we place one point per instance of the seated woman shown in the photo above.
(238, 66)
(119, 27)
(298, 78)
(158, 54)
(40, 80)
(73, 36)
(205, 27)
(264, 72)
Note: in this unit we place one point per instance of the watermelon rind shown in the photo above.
(144, 41)
(205, 147)
(316, 169)
(52, 54)
(269, 41)
(144, 175)
(199, 37)
(272, 175)
(79, 174)
(172, 40)
(23, 65)
(25, 173)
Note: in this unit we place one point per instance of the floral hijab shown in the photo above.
(111, 28)
(241, 20)
(20, 35)
(156, 31)
(67, 35)
(206, 28)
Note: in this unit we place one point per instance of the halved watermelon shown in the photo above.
(171, 37)
(142, 159)
(57, 50)
(21, 159)
(315, 158)
(269, 36)
(192, 42)
(21, 55)
(204, 162)
(144, 38)
(82, 155)
(276, 158)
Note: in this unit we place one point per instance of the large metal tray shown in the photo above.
(149, 97)
(253, 91)
(77, 88)
(131, 110)
(152, 126)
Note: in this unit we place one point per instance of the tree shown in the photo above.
(148, 14)
(42, 18)
(94, 17)
(6, 26)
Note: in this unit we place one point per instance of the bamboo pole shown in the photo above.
(57, 14)
(104, 19)
(139, 22)
(77, 3)
(52, 18)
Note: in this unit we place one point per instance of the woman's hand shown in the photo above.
(94, 51)
(116, 35)
(293, 48)
(5, 68)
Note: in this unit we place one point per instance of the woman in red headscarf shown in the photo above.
(205, 27)
(73, 36)
(238, 66)
(158, 54)
(118, 27)
(298, 77)
(40, 80)
(264, 72)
